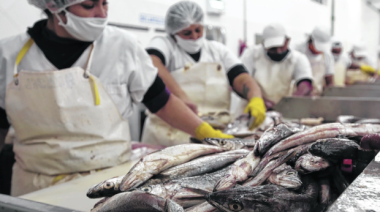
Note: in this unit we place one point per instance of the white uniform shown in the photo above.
(342, 63)
(74, 136)
(322, 65)
(204, 81)
(274, 78)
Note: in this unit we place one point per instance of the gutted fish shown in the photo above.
(231, 144)
(106, 188)
(136, 202)
(159, 161)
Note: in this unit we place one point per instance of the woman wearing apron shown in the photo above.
(198, 71)
(68, 86)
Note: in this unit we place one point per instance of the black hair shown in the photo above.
(48, 13)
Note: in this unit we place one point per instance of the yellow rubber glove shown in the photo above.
(367, 69)
(206, 131)
(256, 108)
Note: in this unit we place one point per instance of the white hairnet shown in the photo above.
(182, 15)
(54, 5)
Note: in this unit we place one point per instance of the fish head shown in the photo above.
(226, 144)
(158, 190)
(312, 163)
(106, 188)
(243, 199)
(287, 178)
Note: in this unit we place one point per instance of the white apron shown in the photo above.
(340, 73)
(205, 84)
(318, 68)
(65, 123)
(274, 78)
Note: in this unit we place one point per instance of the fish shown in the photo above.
(231, 144)
(339, 180)
(324, 198)
(187, 192)
(286, 177)
(203, 207)
(309, 163)
(136, 202)
(299, 151)
(203, 165)
(347, 119)
(322, 132)
(268, 170)
(239, 171)
(107, 188)
(370, 142)
(368, 121)
(275, 134)
(264, 198)
(161, 160)
(335, 149)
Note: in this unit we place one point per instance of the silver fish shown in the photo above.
(322, 132)
(161, 160)
(275, 134)
(106, 188)
(239, 171)
(203, 207)
(266, 198)
(309, 163)
(136, 202)
(203, 165)
(268, 170)
(285, 176)
(231, 144)
(187, 192)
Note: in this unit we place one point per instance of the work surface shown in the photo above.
(72, 194)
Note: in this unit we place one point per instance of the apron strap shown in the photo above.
(21, 54)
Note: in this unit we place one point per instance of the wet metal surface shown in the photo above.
(363, 195)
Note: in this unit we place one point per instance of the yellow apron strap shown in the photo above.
(23, 51)
(96, 92)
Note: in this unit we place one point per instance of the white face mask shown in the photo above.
(84, 29)
(336, 57)
(190, 46)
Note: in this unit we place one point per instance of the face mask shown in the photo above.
(278, 57)
(190, 46)
(84, 29)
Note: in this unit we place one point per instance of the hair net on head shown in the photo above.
(54, 5)
(181, 15)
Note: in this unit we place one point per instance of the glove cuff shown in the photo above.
(203, 130)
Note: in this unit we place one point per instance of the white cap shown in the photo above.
(359, 50)
(321, 39)
(336, 43)
(274, 35)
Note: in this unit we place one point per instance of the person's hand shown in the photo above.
(206, 131)
(256, 108)
(191, 105)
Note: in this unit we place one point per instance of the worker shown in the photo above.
(275, 66)
(198, 71)
(359, 55)
(68, 85)
(318, 50)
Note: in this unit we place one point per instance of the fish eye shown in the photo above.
(222, 142)
(146, 189)
(108, 185)
(235, 206)
(291, 173)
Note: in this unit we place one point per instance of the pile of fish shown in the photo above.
(291, 167)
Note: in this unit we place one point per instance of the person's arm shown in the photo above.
(304, 88)
(246, 86)
(329, 80)
(171, 84)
